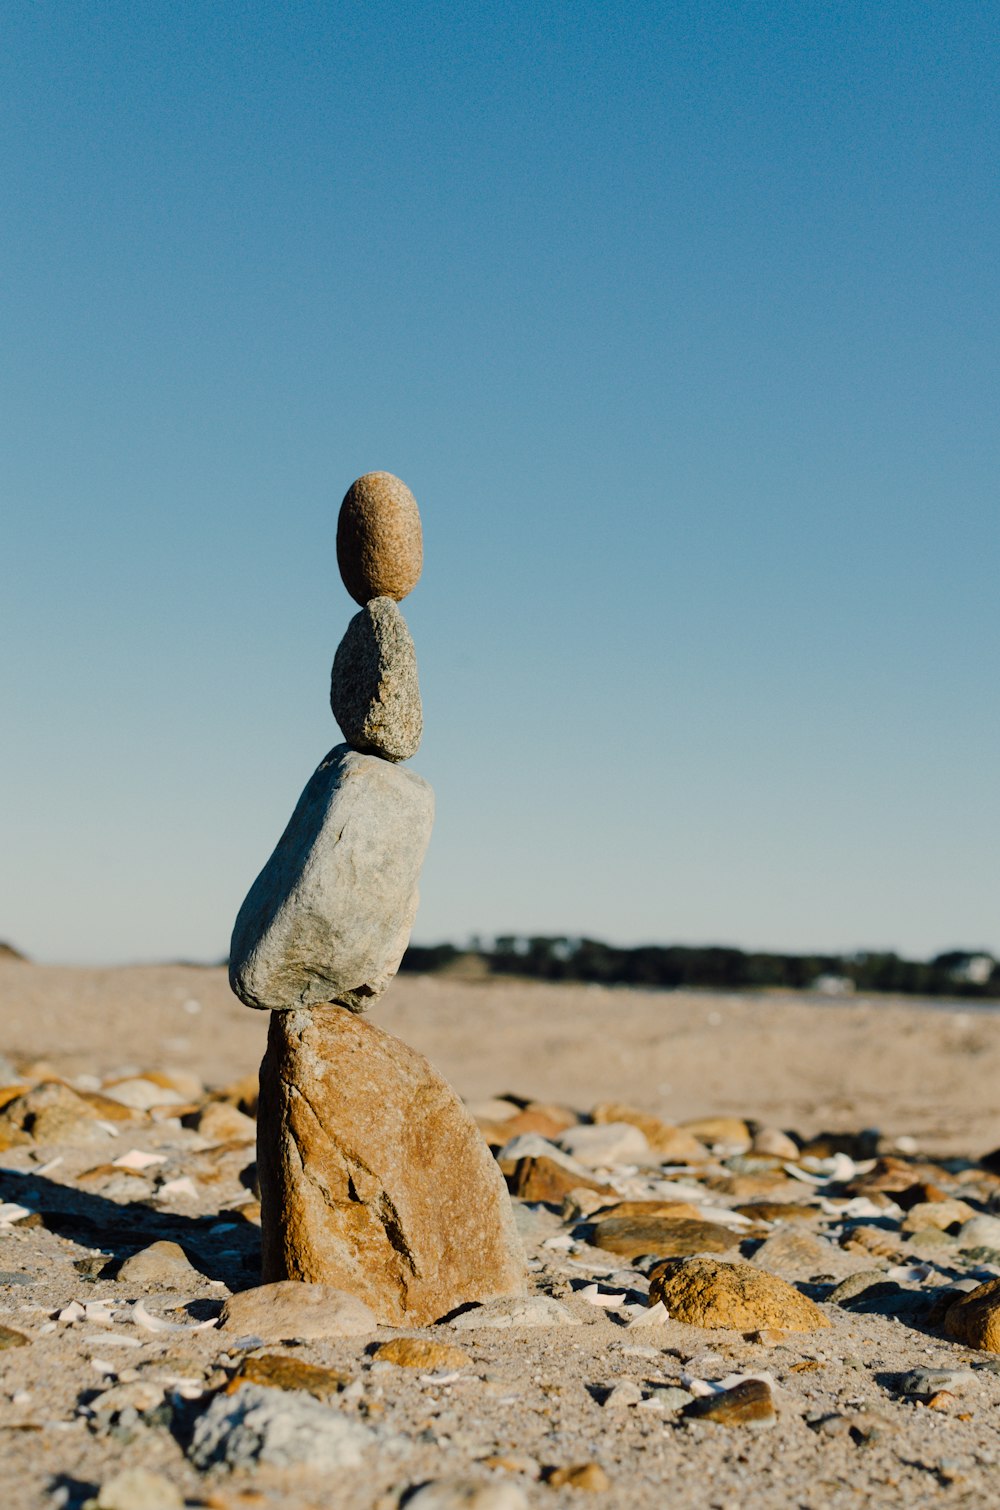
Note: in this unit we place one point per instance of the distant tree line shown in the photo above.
(959, 973)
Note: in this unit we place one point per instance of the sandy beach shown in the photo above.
(104, 1369)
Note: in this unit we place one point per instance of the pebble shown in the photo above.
(379, 539)
(668, 1237)
(540, 1178)
(374, 691)
(670, 1144)
(747, 1404)
(50, 1113)
(419, 1352)
(261, 1425)
(275, 1371)
(622, 1395)
(586, 1476)
(775, 1143)
(140, 1094)
(796, 1250)
(466, 1494)
(292, 1309)
(722, 1133)
(11, 1338)
(161, 1263)
(517, 1311)
(928, 1381)
(595, 1146)
(704, 1292)
(980, 1232)
(221, 1123)
(137, 1489)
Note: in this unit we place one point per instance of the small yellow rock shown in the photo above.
(418, 1352)
(580, 1476)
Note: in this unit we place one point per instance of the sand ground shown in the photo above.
(531, 1400)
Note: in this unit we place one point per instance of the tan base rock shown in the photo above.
(373, 1176)
(975, 1318)
(704, 1292)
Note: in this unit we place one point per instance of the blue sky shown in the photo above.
(681, 323)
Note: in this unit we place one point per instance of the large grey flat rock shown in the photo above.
(329, 916)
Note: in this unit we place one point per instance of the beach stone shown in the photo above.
(261, 1425)
(774, 1143)
(747, 1404)
(11, 1338)
(219, 1122)
(543, 1179)
(791, 1248)
(288, 1308)
(975, 1318)
(672, 1145)
(730, 1133)
(420, 1352)
(50, 1113)
(611, 1143)
(379, 538)
(780, 1211)
(138, 1489)
(374, 692)
(649, 1210)
(937, 1214)
(930, 1381)
(161, 1263)
(588, 1476)
(704, 1292)
(518, 1311)
(275, 1371)
(466, 1494)
(373, 1176)
(980, 1232)
(668, 1237)
(329, 917)
(140, 1093)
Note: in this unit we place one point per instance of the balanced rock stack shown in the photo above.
(374, 1179)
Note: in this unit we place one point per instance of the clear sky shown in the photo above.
(680, 320)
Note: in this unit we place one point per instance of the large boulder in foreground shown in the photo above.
(329, 916)
(373, 1176)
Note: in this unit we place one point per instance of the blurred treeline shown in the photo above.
(958, 973)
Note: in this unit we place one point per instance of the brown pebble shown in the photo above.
(538, 1178)
(379, 540)
(704, 1292)
(669, 1236)
(10, 1338)
(579, 1476)
(418, 1352)
(746, 1404)
(975, 1317)
(276, 1371)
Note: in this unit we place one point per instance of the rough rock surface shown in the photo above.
(329, 916)
(260, 1425)
(374, 1177)
(276, 1312)
(379, 539)
(374, 692)
(668, 1237)
(975, 1319)
(705, 1292)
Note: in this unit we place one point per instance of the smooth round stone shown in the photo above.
(379, 541)
(374, 692)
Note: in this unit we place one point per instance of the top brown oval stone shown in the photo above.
(379, 542)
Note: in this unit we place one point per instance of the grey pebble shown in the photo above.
(374, 692)
(282, 1428)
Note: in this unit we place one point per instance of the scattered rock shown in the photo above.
(220, 1122)
(780, 1211)
(525, 1310)
(774, 1143)
(870, 1283)
(289, 1309)
(261, 1425)
(274, 1371)
(466, 1494)
(329, 916)
(939, 1214)
(704, 1292)
(589, 1476)
(672, 1145)
(137, 1489)
(50, 1113)
(596, 1146)
(374, 1177)
(10, 1338)
(141, 1093)
(418, 1352)
(929, 1381)
(543, 1179)
(793, 1249)
(730, 1133)
(975, 1318)
(379, 539)
(980, 1232)
(667, 1236)
(374, 692)
(161, 1263)
(748, 1404)
(622, 1395)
